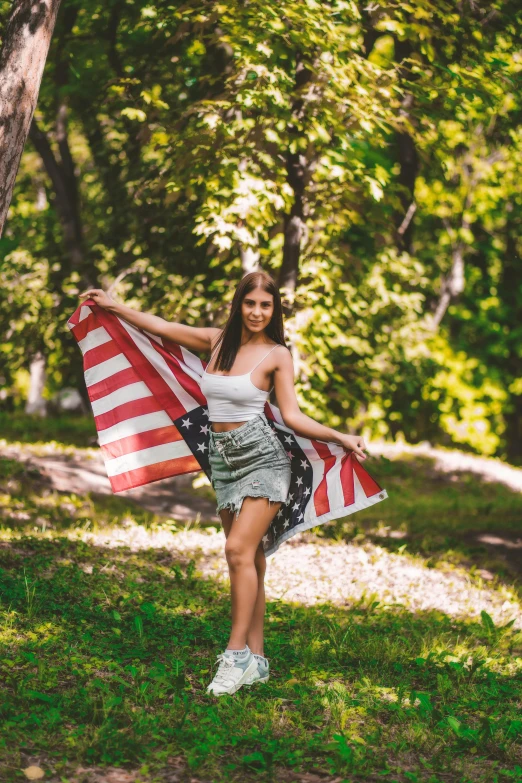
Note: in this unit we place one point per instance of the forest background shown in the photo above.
(367, 155)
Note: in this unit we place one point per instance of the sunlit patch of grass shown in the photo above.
(429, 513)
(111, 668)
(28, 505)
(68, 430)
(106, 652)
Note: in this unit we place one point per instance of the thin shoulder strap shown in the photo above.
(213, 352)
(264, 357)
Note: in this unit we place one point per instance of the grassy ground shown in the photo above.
(106, 653)
(441, 517)
(66, 429)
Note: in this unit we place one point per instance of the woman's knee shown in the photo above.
(237, 553)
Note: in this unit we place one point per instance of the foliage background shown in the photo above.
(365, 154)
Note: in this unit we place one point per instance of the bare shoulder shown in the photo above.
(282, 356)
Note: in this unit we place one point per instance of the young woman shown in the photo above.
(249, 467)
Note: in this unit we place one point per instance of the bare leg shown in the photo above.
(255, 637)
(243, 540)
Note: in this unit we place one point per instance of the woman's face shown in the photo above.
(257, 309)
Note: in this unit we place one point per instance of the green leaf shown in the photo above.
(454, 724)
(134, 114)
(488, 623)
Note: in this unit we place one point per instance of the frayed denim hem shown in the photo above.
(235, 506)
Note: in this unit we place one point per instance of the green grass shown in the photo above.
(106, 653)
(68, 430)
(440, 517)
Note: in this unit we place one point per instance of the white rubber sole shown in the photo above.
(259, 679)
(242, 681)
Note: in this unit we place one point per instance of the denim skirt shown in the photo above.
(248, 462)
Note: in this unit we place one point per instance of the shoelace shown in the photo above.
(226, 664)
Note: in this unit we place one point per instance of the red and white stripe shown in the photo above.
(340, 484)
(138, 384)
(136, 388)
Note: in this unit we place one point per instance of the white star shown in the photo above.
(205, 412)
(287, 523)
(290, 496)
(265, 539)
(299, 481)
(296, 505)
(204, 429)
(288, 438)
(289, 454)
(202, 447)
(307, 491)
(279, 513)
(300, 516)
(186, 422)
(304, 464)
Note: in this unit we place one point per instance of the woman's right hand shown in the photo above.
(100, 297)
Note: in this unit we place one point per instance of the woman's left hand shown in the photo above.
(354, 443)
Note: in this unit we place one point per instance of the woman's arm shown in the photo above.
(192, 337)
(294, 418)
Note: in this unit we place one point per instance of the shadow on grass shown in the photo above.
(106, 655)
(29, 501)
(455, 518)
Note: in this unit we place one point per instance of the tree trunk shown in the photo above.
(60, 166)
(294, 230)
(61, 174)
(298, 173)
(63, 177)
(26, 43)
(513, 435)
(510, 295)
(452, 285)
(35, 401)
(407, 155)
(409, 163)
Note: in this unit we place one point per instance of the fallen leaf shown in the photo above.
(119, 776)
(33, 772)
(292, 681)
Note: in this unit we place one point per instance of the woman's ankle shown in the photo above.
(239, 646)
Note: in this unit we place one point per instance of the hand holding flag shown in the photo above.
(152, 423)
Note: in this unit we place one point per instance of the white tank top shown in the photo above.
(233, 397)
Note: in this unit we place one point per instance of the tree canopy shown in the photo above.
(367, 155)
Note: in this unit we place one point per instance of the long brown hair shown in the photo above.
(230, 337)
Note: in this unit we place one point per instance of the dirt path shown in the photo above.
(306, 569)
(311, 570)
(82, 470)
(450, 461)
(486, 469)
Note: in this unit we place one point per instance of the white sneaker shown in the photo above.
(231, 674)
(262, 672)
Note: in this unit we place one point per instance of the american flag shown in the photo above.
(152, 423)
